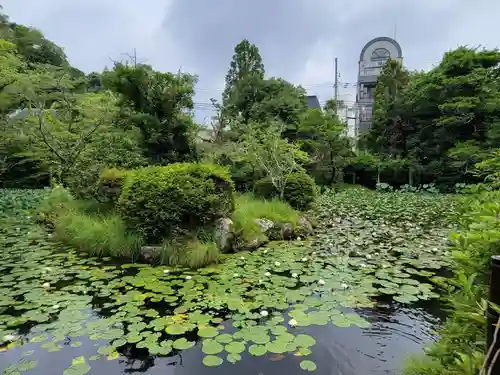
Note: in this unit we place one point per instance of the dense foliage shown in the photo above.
(161, 201)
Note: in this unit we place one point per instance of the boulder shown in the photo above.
(223, 234)
(150, 254)
(265, 225)
(304, 228)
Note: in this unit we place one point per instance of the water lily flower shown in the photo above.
(314, 253)
(298, 238)
(48, 269)
(260, 281)
(49, 235)
(345, 286)
(421, 246)
(264, 313)
(46, 285)
(55, 307)
(384, 265)
(277, 264)
(294, 274)
(435, 249)
(292, 322)
(304, 259)
(321, 282)
(9, 338)
(166, 271)
(368, 256)
(235, 275)
(242, 258)
(188, 277)
(265, 251)
(363, 265)
(267, 274)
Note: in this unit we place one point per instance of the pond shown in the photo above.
(326, 305)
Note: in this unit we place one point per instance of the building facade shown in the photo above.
(371, 61)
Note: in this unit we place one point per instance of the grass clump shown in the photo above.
(189, 252)
(248, 208)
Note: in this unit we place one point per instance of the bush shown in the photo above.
(300, 190)
(249, 208)
(161, 201)
(110, 185)
(99, 236)
(189, 252)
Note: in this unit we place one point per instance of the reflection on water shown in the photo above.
(396, 333)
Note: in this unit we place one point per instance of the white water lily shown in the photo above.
(294, 274)
(314, 253)
(277, 264)
(242, 258)
(304, 259)
(166, 271)
(55, 307)
(435, 249)
(421, 246)
(292, 322)
(384, 265)
(46, 285)
(264, 313)
(9, 338)
(321, 282)
(298, 238)
(188, 277)
(47, 269)
(49, 235)
(235, 275)
(267, 274)
(260, 281)
(368, 256)
(345, 286)
(363, 265)
(265, 251)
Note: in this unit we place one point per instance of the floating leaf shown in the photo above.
(235, 347)
(233, 357)
(212, 361)
(182, 344)
(207, 332)
(307, 365)
(211, 346)
(224, 338)
(257, 350)
(304, 341)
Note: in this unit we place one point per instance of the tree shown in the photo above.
(246, 63)
(60, 124)
(267, 150)
(160, 105)
(388, 129)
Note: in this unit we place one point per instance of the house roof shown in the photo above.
(312, 101)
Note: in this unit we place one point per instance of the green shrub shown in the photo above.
(248, 208)
(110, 185)
(163, 200)
(189, 252)
(99, 236)
(300, 190)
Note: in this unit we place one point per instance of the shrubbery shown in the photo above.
(110, 185)
(159, 202)
(300, 190)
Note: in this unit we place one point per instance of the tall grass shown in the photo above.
(191, 253)
(248, 208)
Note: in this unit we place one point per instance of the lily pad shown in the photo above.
(182, 344)
(211, 346)
(235, 347)
(257, 350)
(212, 361)
(208, 332)
(307, 365)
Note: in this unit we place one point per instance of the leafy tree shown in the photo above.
(246, 64)
(268, 151)
(388, 129)
(159, 104)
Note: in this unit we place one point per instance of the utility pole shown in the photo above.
(336, 81)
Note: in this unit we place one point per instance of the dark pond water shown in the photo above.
(353, 313)
(396, 333)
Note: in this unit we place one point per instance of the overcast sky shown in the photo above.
(298, 39)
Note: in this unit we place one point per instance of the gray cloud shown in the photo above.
(297, 39)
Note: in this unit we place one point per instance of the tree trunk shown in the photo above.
(354, 178)
(378, 175)
(410, 176)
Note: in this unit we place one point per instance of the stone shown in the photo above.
(287, 232)
(304, 228)
(223, 234)
(265, 225)
(149, 254)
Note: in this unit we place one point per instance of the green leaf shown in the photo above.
(235, 347)
(212, 361)
(307, 365)
(211, 346)
(208, 332)
(304, 341)
(257, 350)
(182, 344)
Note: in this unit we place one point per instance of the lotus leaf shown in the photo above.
(182, 344)
(235, 347)
(308, 365)
(211, 346)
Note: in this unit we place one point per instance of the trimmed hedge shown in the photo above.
(162, 201)
(300, 190)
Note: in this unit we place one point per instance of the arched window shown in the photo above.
(380, 54)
